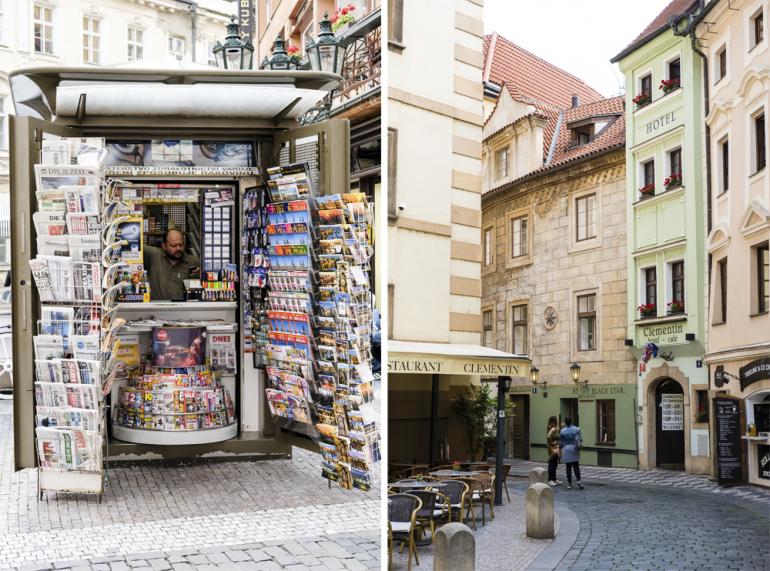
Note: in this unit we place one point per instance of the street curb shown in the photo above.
(569, 527)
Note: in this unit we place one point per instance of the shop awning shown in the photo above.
(448, 359)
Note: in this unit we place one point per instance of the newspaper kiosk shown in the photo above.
(266, 342)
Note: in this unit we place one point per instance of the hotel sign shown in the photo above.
(456, 365)
(754, 371)
(661, 122)
(663, 334)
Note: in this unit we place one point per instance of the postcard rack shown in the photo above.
(72, 355)
(313, 315)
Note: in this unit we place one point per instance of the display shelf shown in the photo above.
(174, 438)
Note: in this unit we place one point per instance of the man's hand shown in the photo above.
(195, 272)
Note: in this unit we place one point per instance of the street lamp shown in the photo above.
(534, 376)
(280, 60)
(574, 372)
(235, 54)
(326, 53)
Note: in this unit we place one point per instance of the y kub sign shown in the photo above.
(246, 18)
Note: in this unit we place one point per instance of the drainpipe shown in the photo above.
(192, 6)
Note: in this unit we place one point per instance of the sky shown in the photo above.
(579, 36)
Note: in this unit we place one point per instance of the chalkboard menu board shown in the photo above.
(727, 421)
(763, 461)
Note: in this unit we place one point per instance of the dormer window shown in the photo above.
(583, 134)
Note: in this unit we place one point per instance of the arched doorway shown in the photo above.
(669, 425)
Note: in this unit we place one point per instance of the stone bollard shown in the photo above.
(540, 515)
(538, 476)
(454, 548)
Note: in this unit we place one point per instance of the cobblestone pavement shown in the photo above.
(521, 468)
(162, 517)
(501, 544)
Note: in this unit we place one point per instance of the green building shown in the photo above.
(666, 214)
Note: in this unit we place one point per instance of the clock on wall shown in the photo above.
(550, 317)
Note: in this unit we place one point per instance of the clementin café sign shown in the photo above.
(451, 366)
(663, 334)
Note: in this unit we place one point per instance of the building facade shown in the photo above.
(735, 43)
(666, 217)
(61, 33)
(434, 265)
(554, 275)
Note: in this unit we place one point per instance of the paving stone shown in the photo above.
(119, 566)
(137, 563)
(69, 563)
(309, 560)
(331, 563)
(237, 556)
(258, 554)
(159, 564)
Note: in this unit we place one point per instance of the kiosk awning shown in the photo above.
(448, 359)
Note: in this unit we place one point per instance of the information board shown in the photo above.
(763, 461)
(672, 412)
(727, 424)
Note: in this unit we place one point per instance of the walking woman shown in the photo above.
(552, 441)
(570, 441)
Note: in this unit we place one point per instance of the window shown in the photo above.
(583, 135)
(648, 170)
(43, 29)
(488, 247)
(585, 210)
(724, 165)
(501, 163)
(645, 84)
(396, 22)
(675, 70)
(361, 6)
(675, 161)
(763, 278)
(176, 47)
(676, 304)
(519, 237)
(757, 28)
(701, 405)
(586, 322)
(519, 330)
(605, 421)
(135, 44)
(307, 35)
(722, 310)
(760, 148)
(392, 161)
(90, 40)
(650, 286)
(488, 332)
(721, 63)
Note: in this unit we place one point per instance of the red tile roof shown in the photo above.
(659, 24)
(611, 137)
(530, 76)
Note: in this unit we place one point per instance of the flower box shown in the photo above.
(646, 310)
(669, 85)
(676, 306)
(294, 53)
(673, 181)
(647, 190)
(343, 18)
(642, 99)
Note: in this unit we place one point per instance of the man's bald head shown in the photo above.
(173, 243)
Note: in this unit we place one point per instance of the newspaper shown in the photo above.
(53, 245)
(86, 248)
(55, 177)
(88, 151)
(222, 354)
(81, 198)
(83, 223)
(48, 346)
(50, 222)
(67, 417)
(65, 449)
(85, 347)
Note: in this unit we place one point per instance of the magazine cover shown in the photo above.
(178, 346)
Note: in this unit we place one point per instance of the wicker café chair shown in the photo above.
(474, 497)
(435, 506)
(455, 491)
(487, 480)
(402, 516)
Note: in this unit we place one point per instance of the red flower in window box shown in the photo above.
(675, 306)
(293, 52)
(646, 309)
(343, 17)
(669, 85)
(647, 190)
(642, 99)
(674, 180)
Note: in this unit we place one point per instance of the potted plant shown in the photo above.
(455, 466)
(675, 306)
(343, 17)
(647, 190)
(642, 99)
(294, 54)
(646, 310)
(476, 410)
(669, 85)
(674, 180)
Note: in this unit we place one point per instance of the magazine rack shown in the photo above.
(72, 360)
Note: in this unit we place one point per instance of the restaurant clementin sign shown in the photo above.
(456, 365)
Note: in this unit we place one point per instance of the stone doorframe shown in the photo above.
(656, 375)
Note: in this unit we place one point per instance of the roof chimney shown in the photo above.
(575, 101)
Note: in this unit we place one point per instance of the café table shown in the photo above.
(455, 474)
(416, 485)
